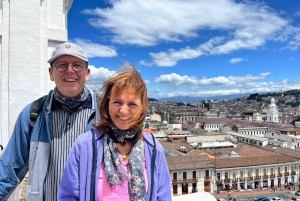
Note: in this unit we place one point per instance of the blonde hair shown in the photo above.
(128, 79)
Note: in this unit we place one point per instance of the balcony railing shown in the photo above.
(257, 177)
(293, 172)
(272, 176)
(242, 178)
(279, 175)
(265, 176)
(182, 181)
(219, 180)
(234, 180)
(286, 174)
(207, 178)
(227, 180)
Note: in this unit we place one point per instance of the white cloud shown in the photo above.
(248, 78)
(297, 13)
(295, 42)
(235, 60)
(244, 25)
(95, 50)
(211, 47)
(171, 58)
(233, 90)
(144, 63)
(98, 76)
(149, 22)
(174, 79)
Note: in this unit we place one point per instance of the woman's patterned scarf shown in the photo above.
(70, 103)
(115, 173)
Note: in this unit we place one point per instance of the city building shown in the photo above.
(272, 112)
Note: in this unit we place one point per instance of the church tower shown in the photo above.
(29, 32)
(272, 112)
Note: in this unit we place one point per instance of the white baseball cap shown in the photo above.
(68, 49)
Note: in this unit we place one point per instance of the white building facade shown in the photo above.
(257, 117)
(255, 177)
(29, 32)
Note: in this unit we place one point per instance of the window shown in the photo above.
(272, 171)
(257, 172)
(241, 174)
(218, 176)
(249, 173)
(175, 176)
(265, 172)
(206, 173)
(234, 175)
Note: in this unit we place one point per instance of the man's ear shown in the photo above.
(50, 69)
(87, 75)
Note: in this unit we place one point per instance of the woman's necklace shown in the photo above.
(124, 156)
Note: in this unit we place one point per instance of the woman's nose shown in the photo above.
(124, 108)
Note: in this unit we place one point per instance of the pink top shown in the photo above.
(117, 192)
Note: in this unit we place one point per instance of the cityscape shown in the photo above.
(244, 145)
(222, 77)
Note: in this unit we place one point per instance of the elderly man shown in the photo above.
(68, 111)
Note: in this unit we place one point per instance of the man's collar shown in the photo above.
(87, 104)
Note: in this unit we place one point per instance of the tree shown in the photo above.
(298, 119)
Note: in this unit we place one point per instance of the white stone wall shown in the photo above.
(29, 31)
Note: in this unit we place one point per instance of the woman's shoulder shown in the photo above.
(150, 139)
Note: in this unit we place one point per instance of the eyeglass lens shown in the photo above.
(63, 66)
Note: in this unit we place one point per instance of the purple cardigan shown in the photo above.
(76, 180)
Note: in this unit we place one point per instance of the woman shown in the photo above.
(116, 160)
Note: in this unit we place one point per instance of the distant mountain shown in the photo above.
(152, 100)
(188, 99)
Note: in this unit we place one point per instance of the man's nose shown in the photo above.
(70, 68)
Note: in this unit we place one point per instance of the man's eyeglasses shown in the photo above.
(63, 66)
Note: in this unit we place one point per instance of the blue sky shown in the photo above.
(195, 48)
